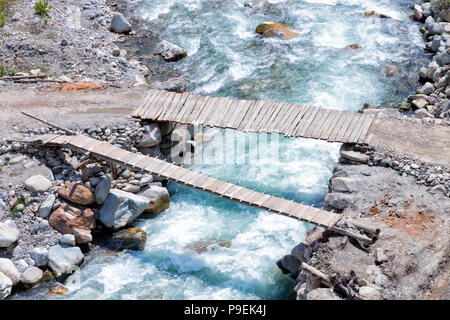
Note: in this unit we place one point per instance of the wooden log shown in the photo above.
(13, 78)
(318, 274)
(373, 231)
(69, 132)
(353, 235)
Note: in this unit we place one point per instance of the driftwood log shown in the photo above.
(350, 234)
(372, 231)
(69, 132)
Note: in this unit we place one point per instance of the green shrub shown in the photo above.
(41, 7)
(13, 71)
(2, 19)
(440, 4)
(3, 71)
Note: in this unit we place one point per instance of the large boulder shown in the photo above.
(37, 183)
(130, 239)
(152, 136)
(289, 264)
(159, 199)
(121, 208)
(46, 206)
(32, 276)
(76, 193)
(8, 235)
(78, 221)
(169, 51)
(39, 256)
(8, 268)
(322, 294)
(102, 190)
(120, 24)
(5, 286)
(338, 200)
(64, 260)
(274, 29)
(345, 184)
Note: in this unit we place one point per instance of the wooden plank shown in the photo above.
(194, 108)
(247, 108)
(278, 120)
(165, 105)
(266, 116)
(355, 128)
(337, 127)
(365, 129)
(331, 123)
(254, 125)
(345, 124)
(270, 122)
(207, 108)
(224, 110)
(307, 122)
(156, 106)
(171, 106)
(250, 117)
(291, 115)
(303, 121)
(214, 116)
(152, 107)
(237, 109)
(320, 127)
(351, 126)
(293, 126)
(147, 100)
(263, 198)
(177, 106)
(315, 123)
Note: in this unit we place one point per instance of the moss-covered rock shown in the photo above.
(130, 239)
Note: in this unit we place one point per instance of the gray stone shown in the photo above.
(102, 190)
(68, 240)
(39, 256)
(369, 293)
(420, 103)
(381, 280)
(64, 260)
(338, 201)
(17, 16)
(159, 199)
(299, 251)
(418, 13)
(121, 208)
(345, 184)
(5, 286)
(290, 264)
(427, 88)
(3, 206)
(444, 57)
(8, 235)
(435, 28)
(44, 225)
(21, 265)
(120, 24)
(322, 294)
(131, 188)
(380, 256)
(169, 51)
(152, 136)
(422, 113)
(37, 183)
(8, 268)
(46, 206)
(32, 276)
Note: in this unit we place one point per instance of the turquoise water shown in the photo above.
(226, 58)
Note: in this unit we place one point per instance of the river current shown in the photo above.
(227, 58)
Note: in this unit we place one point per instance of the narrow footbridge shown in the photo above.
(105, 151)
(257, 116)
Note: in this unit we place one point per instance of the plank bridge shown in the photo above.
(257, 116)
(107, 152)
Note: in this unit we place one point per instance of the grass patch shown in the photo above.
(42, 8)
(3, 70)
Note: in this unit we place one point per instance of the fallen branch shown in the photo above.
(69, 132)
(353, 235)
(13, 78)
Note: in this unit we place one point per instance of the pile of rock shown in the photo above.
(432, 99)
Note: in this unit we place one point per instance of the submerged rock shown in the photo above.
(169, 51)
(202, 246)
(274, 29)
(353, 46)
(130, 239)
(121, 208)
(73, 220)
(76, 193)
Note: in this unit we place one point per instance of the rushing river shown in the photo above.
(226, 58)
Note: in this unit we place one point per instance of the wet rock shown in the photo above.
(152, 136)
(427, 89)
(169, 51)
(418, 13)
(289, 264)
(121, 208)
(159, 199)
(76, 193)
(58, 290)
(8, 268)
(102, 190)
(46, 206)
(5, 286)
(32, 276)
(120, 24)
(202, 246)
(322, 294)
(174, 85)
(419, 103)
(37, 183)
(39, 256)
(353, 46)
(64, 260)
(130, 239)
(73, 220)
(274, 29)
(390, 70)
(8, 235)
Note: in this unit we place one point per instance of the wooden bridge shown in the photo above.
(105, 151)
(257, 116)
